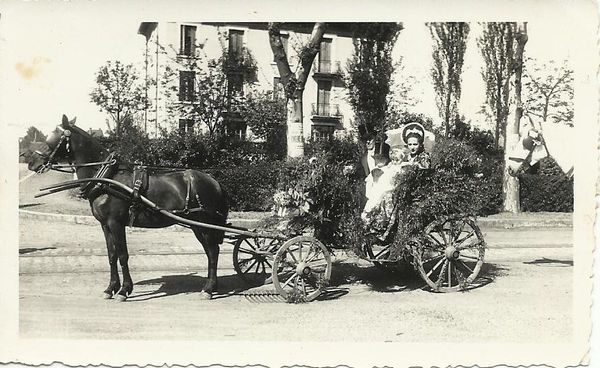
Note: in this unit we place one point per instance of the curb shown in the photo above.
(485, 222)
(91, 220)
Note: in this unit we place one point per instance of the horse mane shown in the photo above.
(96, 145)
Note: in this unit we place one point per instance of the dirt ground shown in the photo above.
(528, 295)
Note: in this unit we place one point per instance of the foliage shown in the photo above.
(129, 142)
(402, 94)
(266, 118)
(550, 90)
(250, 187)
(33, 135)
(497, 48)
(323, 192)
(450, 43)
(369, 73)
(455, 185)
(196, 89)
(547, 188)
(119, 92)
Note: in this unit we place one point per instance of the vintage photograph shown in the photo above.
(180, 187)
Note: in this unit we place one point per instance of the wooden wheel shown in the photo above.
(253, 258)
(450, 254)
(301, 269)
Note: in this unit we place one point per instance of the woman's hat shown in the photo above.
(413, 130)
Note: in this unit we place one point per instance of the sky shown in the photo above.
(51, 56)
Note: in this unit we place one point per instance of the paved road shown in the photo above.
(63, 270)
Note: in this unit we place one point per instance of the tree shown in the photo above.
(370, 70)
(206, 91)
(497, 48)
(510, 184)
(450, 43)
(294, 83)
(266, 118)
(549, 89)
(33, 135)
(120, 92)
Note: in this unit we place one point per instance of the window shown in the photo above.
(325, 56)
(322, 133)
(284, 40)
(278, 92)
(186, 125)
(188, 40)
(323, 94)
(186, 85)
(236, 44)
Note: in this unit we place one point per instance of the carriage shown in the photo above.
(448, 253)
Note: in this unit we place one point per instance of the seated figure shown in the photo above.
(379, 211)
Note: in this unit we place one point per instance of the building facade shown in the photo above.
(172, 48)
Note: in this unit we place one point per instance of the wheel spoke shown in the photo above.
(460, 241)
(317, 252)
(270, 265)
(289, 251)
(242, 250)
(436, 240)
(435, 267)
(440, 278)
(469, 257)
(303, 287)
(465, 266)
(449, 274)
(288, 280)
(250, 244)
(252, 265)
(462, 226)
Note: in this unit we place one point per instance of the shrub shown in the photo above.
(328, 184)
(250, 187)
(546, 188)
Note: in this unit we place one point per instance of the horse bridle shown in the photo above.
(65, 138)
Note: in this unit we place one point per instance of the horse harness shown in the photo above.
(108, 168)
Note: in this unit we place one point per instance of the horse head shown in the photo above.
(66, 143)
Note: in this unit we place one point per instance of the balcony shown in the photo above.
(327, 69)
(326, 113)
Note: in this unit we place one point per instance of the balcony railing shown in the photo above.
(327, 110)
(328, 67)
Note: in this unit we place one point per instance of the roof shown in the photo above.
(342, 29)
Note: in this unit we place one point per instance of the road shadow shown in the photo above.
(31, 250)
(27, 205)
(550, 262)
(170, 285)
(400, 277)
(385, 279)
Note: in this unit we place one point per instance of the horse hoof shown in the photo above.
(205, 295)
(106, 296)
(120, 298)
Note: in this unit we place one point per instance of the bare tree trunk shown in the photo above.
(510, 185)
(294, 85)
(295, 135)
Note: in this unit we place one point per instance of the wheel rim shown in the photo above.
(451, 254)
(253, 258)
(303, 269)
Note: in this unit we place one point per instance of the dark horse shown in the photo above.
(196, 195)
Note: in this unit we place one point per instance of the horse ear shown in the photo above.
(72, 122)
(65, 122)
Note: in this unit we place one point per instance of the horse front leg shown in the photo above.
(209, 241)
(118, 233)
(115, 283)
